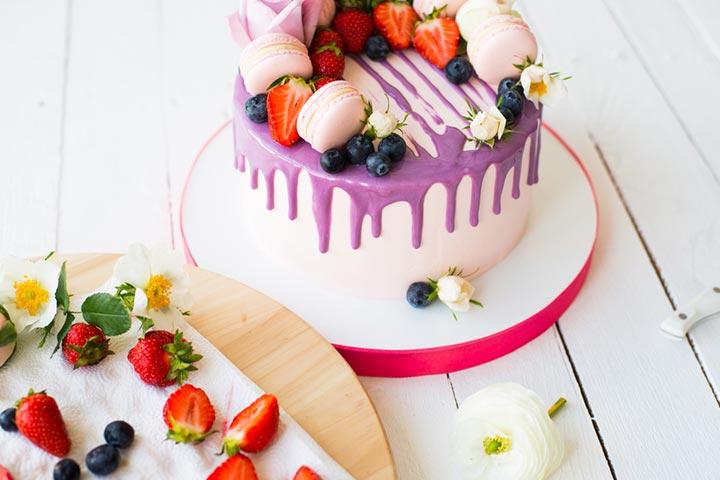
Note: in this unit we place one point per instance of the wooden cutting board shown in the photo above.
(283, 355)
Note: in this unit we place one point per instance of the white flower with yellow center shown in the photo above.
(382, 123)
(27, 291)
(161, 283)
(504, 432)
(541, 86)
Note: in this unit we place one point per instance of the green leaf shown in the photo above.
(126, 292)
(46, 333)
(69, 319)
(8, 334)
(61, 294)
(47, 257)
(107, 312)
(146, 323)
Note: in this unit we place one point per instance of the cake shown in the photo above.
(461, 193)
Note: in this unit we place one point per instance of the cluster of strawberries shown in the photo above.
(435, 37)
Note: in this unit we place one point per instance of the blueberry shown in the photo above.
(508, 114)
(378, 164)
(377, 48)
(119, 434)
(256, 108)
(333, 160)
(509, 84)
(358, 148)
(66, 469)
(458, 70)
(7, 420)
(103, 460)
(513, 100)
(418, 293)
(393, 146)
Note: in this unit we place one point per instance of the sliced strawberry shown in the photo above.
(189, 415)
(39, 419)
(5, 474)
(285, 99)
(326, 36)
(306, 473)
(328, 61)
(437, 38)
(395, 20)
(238, 467)
(355, 27)
(254, 428)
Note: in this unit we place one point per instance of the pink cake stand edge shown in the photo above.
(448, 358)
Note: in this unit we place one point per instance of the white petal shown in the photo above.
(134, 267)
(167, 262)
(140, 305)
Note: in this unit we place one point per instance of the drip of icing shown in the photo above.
(410, 179)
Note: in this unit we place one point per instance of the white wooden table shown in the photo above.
(104, 103)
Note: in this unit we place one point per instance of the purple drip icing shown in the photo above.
(409, 181)
(433, 87)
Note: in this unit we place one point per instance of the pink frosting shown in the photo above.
(254, 18)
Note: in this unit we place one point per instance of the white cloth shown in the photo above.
(92, 397)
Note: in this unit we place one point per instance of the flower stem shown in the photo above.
(557, 406)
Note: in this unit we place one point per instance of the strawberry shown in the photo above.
(189, 415)
(318, 83)
(237, 467)
(436, 38)
(252, 429)
(39, 419)
(162, 358)
(354, 27)
(286, 97)
(306, 473)
(326, 36)
(395, 20)
(4, 474)
(328, 61)
(85, 345)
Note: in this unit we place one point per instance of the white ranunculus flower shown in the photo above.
(27, 291)
(488, 124)
(8, 337)
(504, 432)
(382, 123)
(455, 292)
(161, 282)
(540, 86)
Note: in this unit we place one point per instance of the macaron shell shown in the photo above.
(270, 57)
(425, 7)
(496, 47)
(474, 13)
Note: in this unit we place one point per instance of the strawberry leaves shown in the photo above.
(107, 312)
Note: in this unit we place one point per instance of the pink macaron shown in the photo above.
(331, 116)
(270, 57)
(498, 44)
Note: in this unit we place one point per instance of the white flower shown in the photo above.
(8, 338)
(455, 292)
(161, 283)
(27, 291)
(542, 86)
(486, 125)
(504, 432)
(382, 123)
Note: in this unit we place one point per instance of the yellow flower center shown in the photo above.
(157, 291)
(30, 296)
(497, 445)
(538, 88)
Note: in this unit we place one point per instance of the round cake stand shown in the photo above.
(523, 295)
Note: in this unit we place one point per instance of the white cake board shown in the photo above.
(533, 285)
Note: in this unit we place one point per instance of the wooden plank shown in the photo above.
(114, 185)
(629, 372)
(543, 367)
(31, 95)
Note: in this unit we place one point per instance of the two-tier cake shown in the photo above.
(384, 141)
